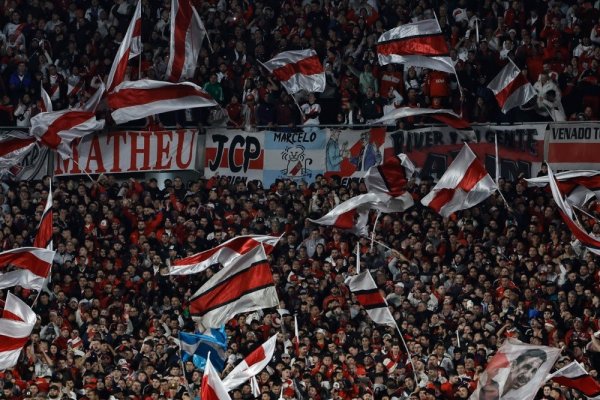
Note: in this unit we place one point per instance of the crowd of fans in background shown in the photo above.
(67, 46)
(457, 287)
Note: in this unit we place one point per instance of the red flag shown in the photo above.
(511, 88)
(251, 365)
(574, 376)
(298, 70)
(465, 184)
(212, 386)
(579, 186)
(130, 47)
(14, 146)
(43, 237)
(391, 177)
(16, 325)
(33, 267)
(367, 294)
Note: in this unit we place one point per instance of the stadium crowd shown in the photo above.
(457, 287)
(68, 46)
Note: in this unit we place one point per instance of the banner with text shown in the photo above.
(573, 145)
(266, 155)
(132, 151)
(433, 149)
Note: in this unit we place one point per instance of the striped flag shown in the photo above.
(223, 254)
(14, 147)
(579, 186)
(138, 99)
(298, 70)
(58, 129)
(33, 266)
(16, 325)
(212, 386)
(391, 177)
(445, 116)
(465, 184)
(511, 88)
(420, 44)
(574, 376)
(130, 47)
(566, 212)
(367, 294)
(245, 285)
(197, 347)
(251, 365)
(43, 237)
(187, 35)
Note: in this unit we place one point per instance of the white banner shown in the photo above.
(132, 151)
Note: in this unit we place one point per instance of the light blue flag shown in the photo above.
(196, 347)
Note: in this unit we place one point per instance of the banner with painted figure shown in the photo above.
(573, 145)
(131, 151)
(432, 149)
(266, 155)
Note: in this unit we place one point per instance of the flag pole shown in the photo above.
(497, 158)
(358, 257)
(290, 94)
(374, 226)
(407, 352)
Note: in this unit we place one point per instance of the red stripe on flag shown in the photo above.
(137, 97)
(394, 176)
(120, 71)
(307, 66)
(65, 122)
(25, 260)
(345, 220)
(512, 87)
(473, 174)
(585, 384)
(44, 233)
(10, 316)
(8, 146)
(182, 24)
(208, 393)
(441, 198)
(579, 233)
(8, 343)
(370, 299)
(256, 356)
(256, 277)
(240, 245)
(137, 30)
(431, 45)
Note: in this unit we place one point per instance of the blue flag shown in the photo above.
(195, 346)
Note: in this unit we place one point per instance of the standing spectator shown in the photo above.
(213, 87)
(19, 82)
(311, 111)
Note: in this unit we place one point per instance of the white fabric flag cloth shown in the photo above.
(364, 288)
(138, 99)
(187, 35)
(420, 44)
(33, 267)
(223, 254)
(14, 147)
(212, 386)
(298, 70)
(16, 325)
(511, 88)
(465, 184)
(580, 186)
(242, 286)
(43, 236)
(391, 177)
(566, 212)
(46, 102)
(58, 129)
(516, 372)
(130, 47)
(251, 365)
(574, 376)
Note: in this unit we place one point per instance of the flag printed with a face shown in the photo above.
(516, 372)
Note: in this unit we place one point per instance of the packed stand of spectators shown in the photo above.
(457, 287)
(68, 46)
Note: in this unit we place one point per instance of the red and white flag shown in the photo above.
(515, 372)
(391, 177)
(223, 254)
(32, 266)
(298, 70)
(579, 186)
(43, 237)
(420, 44)
(296, 336)
(14, 147)
(16, 325)
(574, 376)
(73, 88)
(130, 47)
(365, 290)
(244, 285)
(465, 184)
(511, 88)
(444, 116)
(251, 365)
(46, 102)
(187, 35)
(568, 215)
(58, 129)
(138, 99)
(212, 385)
